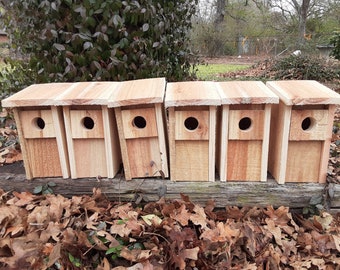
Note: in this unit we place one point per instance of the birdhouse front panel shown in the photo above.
(244, 130)
(301, 131)
(192, 112)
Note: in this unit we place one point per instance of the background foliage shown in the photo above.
(73, 40)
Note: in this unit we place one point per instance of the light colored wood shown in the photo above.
(318, 129)
(193, 93)
(60, 134)
(69, 140)
(244, 160)
(137, 92)
(191, 161)
(202, 130)
(122, 142)
(254, 132)
(36, 95)
(303, 161)
(79, 129)
(212, 142)
(90, 158)
(223, 145)
(31, 128)
(278, 147)
(172, 141)
(23, 144)
(303, 92)
(265, 142)
(43, 157)
(144, 157)
(293, 195)
(87, 93)
(161, 126)
(133, 131)
(112, 149)
(246, 92)
(326, 145)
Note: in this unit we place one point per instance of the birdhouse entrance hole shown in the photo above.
(191, 123)
(88, 122)
(139, 122)
(245, 123)
(307, 123)
(39, 123)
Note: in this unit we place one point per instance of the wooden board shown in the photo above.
(199, 132)
(81, 124)
(246, 92)
(244, 160)
(36, 95)
(137, 92)
(303, 161)
(303, 92)
(259, 194)
(87, 93)
(193, 93)
(144, 157)
(43, 157)
(191, 162)
(90, 158)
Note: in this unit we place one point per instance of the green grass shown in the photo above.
(210, 72)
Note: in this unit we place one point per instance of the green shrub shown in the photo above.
(335, 41)
(73, 40)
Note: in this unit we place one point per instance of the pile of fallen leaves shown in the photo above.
(90, 232)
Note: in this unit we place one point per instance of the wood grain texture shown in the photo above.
(191, 162)
(137, 92)
(244, 160)
(82, 128)
(90, 157)
(36, 95)
(43, 157)
(260, 194)
(246, 92)
(193, 93)
(303, 161)
(303, 92)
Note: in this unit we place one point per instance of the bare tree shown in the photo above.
(219, 13)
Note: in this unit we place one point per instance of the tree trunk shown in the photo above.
(219, 14)
(302, 11)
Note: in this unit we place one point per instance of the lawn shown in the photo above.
(211, 71)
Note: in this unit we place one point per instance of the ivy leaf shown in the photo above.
(145, 27)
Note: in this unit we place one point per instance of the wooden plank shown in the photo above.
(122, 142)
(172, 141)
(191, 161)
(212, 141)
(260, 194)
(223, 145)
(303, 161)
(192, 125)
(38, 123)
(43, 157)
(87, 93)
(137, 92)
(86, 124)
(316, 128)
(239, 129)
(23, 144)
(326, 145)
(244, 160)
(144, 157)
(139, 123)
(246, 92)
(265, 142)
(60, 134)
(36, 95)
(303, 92)
(278, 143)
(90, 157)
(69, 140)
(161, 130)
(193, 93)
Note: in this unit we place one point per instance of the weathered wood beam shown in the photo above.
(224, 193)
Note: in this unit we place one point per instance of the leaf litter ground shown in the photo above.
(91, 232)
